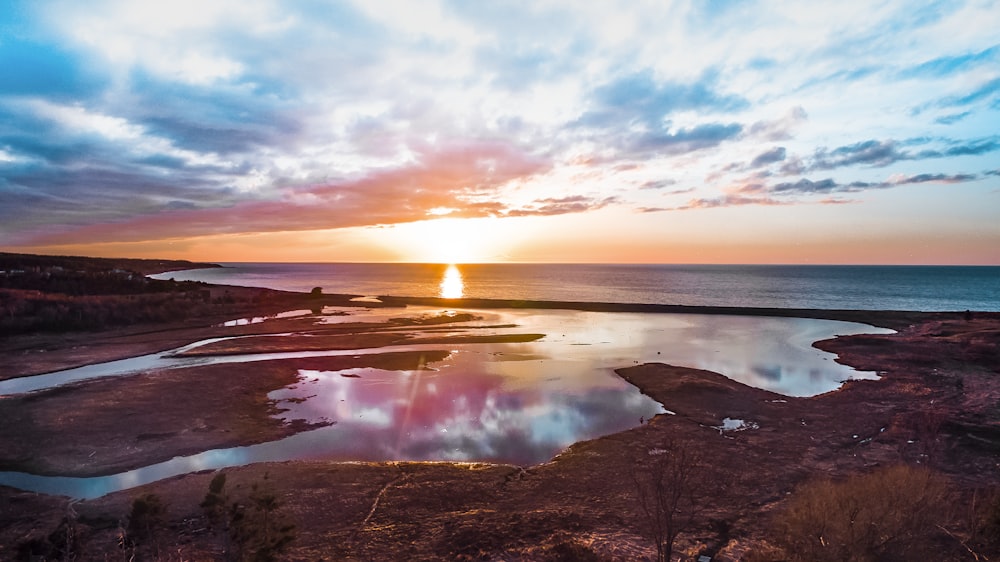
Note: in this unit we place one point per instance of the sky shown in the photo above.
(689, 131)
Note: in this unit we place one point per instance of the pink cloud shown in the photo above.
(464, 176)
(731, 200)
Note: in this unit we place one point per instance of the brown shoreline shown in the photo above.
(892, 319)
(32, 354)
(939, 365)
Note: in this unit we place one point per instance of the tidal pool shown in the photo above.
(517, 403)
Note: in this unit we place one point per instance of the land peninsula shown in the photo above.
(936, 408)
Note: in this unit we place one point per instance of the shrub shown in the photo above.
(885, 515)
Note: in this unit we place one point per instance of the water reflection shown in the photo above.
(452, 286)
(458, 413)
(518, 403)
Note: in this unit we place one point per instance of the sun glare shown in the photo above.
(447, 241)
(452, 286)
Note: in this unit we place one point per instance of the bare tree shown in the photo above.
(673, 484)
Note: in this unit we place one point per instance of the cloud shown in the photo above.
(971, 148)
(776, 154)
(223, 120)
(121, 122)
(657, 184)
(679, 141)
(465, 176)
(808, 186)
(951, 64)
(829, 185)
(640, 98)
(952, 118)
(753, 193)
(729, 200)
(988, 91)
(561, 206)
(932, 178)
(633, 113)
(871, 152)
(879, 154)
(781, 128)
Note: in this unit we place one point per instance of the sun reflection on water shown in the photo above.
(452, 286)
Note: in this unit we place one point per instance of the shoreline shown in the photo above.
(75, 349)
(892, 319)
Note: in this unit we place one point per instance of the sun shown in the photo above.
(448, 240)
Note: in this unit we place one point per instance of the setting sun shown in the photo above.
(448, 241)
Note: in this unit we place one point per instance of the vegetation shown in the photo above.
(10, 262)
(889, 514)
(64, 294)
(63, 543)
(252, 528)
(145, 521)
(672, 488)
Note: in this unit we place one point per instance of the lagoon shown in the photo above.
(517, 403)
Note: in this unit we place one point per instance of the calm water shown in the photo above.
(517, 403)
(926, 288)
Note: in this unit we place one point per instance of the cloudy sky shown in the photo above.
(698, 131)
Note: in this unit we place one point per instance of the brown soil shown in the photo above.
(112, 425)
(315, 341)
(937, 404)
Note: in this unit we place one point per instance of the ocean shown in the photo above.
(861, 287)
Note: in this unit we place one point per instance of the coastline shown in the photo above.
(941, 363)
(33, 354)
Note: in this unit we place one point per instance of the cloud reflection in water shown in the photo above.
(516, 403)
(461, 412)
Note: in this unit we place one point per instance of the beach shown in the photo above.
(932, 404)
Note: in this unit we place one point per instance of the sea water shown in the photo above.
(923, 288)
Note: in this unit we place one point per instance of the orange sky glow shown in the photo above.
(679, 132)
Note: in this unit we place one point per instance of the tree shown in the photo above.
(253, 529)
(148, 514)
(673, 484)
(215, 500)
(270, 532)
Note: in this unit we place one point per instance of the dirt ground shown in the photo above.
(937, 404)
